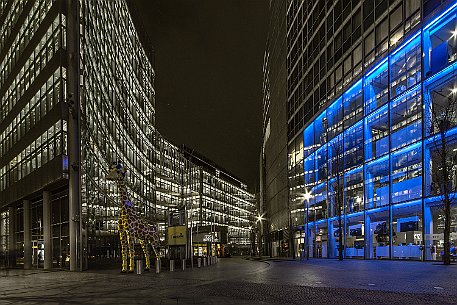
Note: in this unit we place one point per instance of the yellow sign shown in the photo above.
(177, 236)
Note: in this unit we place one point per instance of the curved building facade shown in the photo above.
(117, 120)
(76, 94)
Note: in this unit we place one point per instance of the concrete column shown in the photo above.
(11, 238)
(27, 235)
(74, 143)
(47, 232)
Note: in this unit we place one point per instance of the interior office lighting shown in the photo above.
(406, 43)
(384, 61)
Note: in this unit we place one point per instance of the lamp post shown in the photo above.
(307, 197)
(259, 219)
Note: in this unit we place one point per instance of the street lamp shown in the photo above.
(259, 219)
(307, 196)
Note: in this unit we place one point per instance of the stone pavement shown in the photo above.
(240, 281)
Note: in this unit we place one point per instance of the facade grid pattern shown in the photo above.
(378, 141)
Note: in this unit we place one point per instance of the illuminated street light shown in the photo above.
(260, 218)
(307, 196)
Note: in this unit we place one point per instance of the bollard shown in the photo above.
(183, 265)
(157, 265)
(172, 265)
(209, 260)
(139, 266)
(204, 261)
(199, 262)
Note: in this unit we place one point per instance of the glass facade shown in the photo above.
(33, 127)
(219, 204)
(117, 122)
(383, 130)
(117, 106)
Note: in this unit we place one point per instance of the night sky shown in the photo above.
(208, 63)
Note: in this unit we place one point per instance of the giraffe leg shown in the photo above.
(146, 254)
(124, 248)
(154, 242)
(131, 252)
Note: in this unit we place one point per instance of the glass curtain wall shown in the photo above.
(32, 79)
(118, 119)
(381, 139)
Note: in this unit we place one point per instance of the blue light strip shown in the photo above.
(440, 16)
(437, 137)
(353, 126)
(320, 115)
(438, 198)
(443, 22)
(407, 149)
(406, 93)
(320, 148)
(377, 111)
(380, 209)
(352, 171)
(354, 214)
(353, 87)
(406, 204)
(384, 61)
(405, 43)
(440, 74)
(382, 159)
(319, 186)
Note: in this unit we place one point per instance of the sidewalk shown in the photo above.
(241, 281)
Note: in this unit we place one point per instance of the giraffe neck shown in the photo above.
(122, 189)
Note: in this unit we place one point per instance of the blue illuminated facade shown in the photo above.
(377, 145)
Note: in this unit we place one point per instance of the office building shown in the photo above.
(274, 209)
(363, 89)
(76, 94)
(221, 209)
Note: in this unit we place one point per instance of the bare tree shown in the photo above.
(442, 118)
(337, 193)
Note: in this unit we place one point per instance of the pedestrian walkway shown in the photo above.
(241, 281)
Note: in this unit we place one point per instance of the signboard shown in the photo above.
(211, 237)
(177, 236)
(207, 237)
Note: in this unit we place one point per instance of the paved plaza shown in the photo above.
(241, 281)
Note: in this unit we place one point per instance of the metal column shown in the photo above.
(74, 146)
(11, 238)
(27, 235)
(47, 233)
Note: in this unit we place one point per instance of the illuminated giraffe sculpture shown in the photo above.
(131, 224)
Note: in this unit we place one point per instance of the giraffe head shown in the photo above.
(116, 172)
